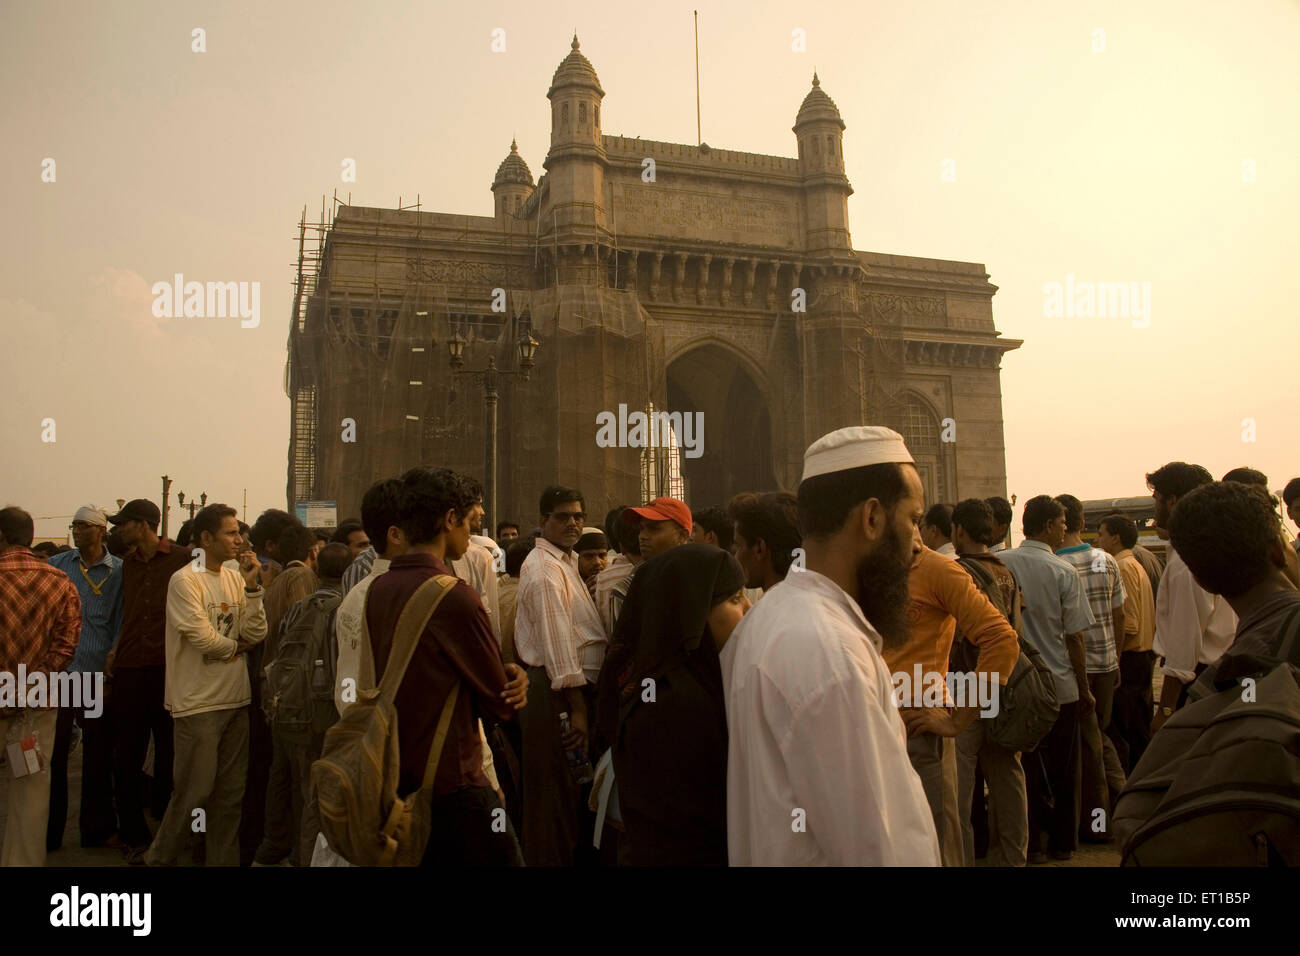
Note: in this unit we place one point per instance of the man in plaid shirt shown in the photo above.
(40, 625)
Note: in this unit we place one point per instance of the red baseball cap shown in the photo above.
(661, 509)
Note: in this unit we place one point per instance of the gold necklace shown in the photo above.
(85, 573)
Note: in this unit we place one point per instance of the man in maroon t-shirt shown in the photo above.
(457, 645)
(136, 667)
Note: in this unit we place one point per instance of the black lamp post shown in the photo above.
(487, 377)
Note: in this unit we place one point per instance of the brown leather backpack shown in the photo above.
(354, 783)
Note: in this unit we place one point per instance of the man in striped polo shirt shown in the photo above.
(1103, 585)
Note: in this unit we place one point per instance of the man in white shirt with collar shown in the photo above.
(560, 639)
(817, 770)
(1193, 626)
(478, 568)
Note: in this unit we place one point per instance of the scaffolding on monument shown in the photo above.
(300, 386)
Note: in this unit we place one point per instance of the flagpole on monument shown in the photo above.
(698, 139)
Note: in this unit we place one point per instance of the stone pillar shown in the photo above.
(749, 280)
(702, 287)
(655, 268)
(679, 276)
(769, 293)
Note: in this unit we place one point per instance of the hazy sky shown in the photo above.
(1123, 165)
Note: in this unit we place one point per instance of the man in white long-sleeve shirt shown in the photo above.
(817, 766)
(214, 615)
(1193, 626)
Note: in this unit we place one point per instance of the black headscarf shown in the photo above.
(664, 622)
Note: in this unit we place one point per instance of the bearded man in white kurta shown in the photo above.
(817, 769)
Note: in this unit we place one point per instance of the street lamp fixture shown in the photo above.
(487, 378)
(456, 348)
(527, 349)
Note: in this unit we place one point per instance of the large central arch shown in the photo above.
(737, 448)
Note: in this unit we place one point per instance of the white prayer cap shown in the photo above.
(854, 447)
(91, 515)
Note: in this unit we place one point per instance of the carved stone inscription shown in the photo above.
(453, 270)
(656, 210)
(908, 309)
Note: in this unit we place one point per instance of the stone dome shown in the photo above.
(513, 169)
(575, 70)
(818, 106)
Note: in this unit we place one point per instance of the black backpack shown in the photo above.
(1219, 784)
(1027, 703)
(298, 698)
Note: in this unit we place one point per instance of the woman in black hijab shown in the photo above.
(661, 705)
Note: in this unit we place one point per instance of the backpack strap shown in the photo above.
(984, 578)
(410, 625)
(1229, 669)
(440, 737)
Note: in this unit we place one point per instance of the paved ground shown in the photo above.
(72, 853)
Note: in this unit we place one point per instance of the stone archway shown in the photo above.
(737, 452)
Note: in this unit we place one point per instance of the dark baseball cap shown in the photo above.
(140, 509)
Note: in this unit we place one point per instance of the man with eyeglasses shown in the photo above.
(559, 638)
(97, 576)
(136, 667)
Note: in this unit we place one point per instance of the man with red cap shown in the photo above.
(664, 524)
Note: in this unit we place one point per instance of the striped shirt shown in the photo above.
(608, 603)
(1103, 585)
(556, 624)
(359, 568)
(40, 614)
(101, 613)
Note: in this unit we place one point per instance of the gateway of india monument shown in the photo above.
(718, 284)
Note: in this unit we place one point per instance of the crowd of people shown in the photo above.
(674, 686)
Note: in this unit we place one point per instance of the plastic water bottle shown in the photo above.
(579, 766)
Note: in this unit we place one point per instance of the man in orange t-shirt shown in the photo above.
(944, 597)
